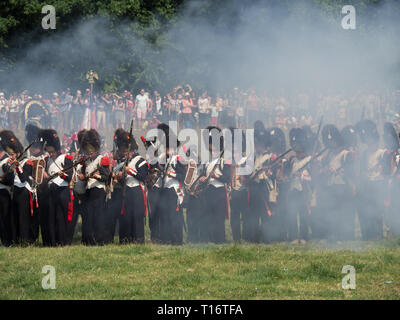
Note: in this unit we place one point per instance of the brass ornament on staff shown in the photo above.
(90, 76)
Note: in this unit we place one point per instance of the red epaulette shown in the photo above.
(69, 157)
(29, 162)
(105, 161)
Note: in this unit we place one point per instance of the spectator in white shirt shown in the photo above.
(141, 105)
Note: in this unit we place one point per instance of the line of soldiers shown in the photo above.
(313, 190)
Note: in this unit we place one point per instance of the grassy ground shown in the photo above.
(245, 271)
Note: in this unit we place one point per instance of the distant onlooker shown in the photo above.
(100, 114)
(141, 105)
(77, 110)
(187, 114)
(107, 101)
(3, 111)
(119, 112)
(15, 103)
(173, 107)
(214, 113)
(204, 110)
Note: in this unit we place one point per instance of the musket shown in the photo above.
(55, 175)
(312, 158)
(12, 165)
(317, 135)
(126, 162)
(198, 186)
(270, 166)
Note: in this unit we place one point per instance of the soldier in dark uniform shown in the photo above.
(134, 202)
(60, 196)
(194, 204)
(96, 173)
(41, 191)
(22, 199)
(239, 191)
(392, 201)
(278, 203)
(259, 212)
(216, 200)
(337, 170)
(375, 167)
(153, 185)
(79, 186)
(171, 190)
(299, 194)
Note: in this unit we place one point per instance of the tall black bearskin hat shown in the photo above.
(122, 140)
(278, 140)
(50, 140)
(390, 137)
(81, 134)
(10, 143)
(212, 136)
(311, 137)
(31, 132)
(367, 131)
(349, 136)
(261, 135)
(298, 140)
(91, 141)
(169, 135)
(331, 136)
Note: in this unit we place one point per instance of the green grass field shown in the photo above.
(244, 271)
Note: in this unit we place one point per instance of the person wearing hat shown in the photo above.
(131, 207)
(77, 185)
(38, 156)
(218, 169)
(96, 174)
(392, 203)
(239, 190)
(278, 190)
(73, 149)
(21, 193)
(169, 210)
(376, 165)
(336, 215)
(60, 196)
(259, 210)
(299, 188)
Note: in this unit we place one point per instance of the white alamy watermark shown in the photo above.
(49, 280)
(49, 20)
(195, 147)
(349, 280)
(349, 20)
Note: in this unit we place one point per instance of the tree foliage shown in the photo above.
(140, 37)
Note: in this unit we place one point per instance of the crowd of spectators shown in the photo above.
(238, 108)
